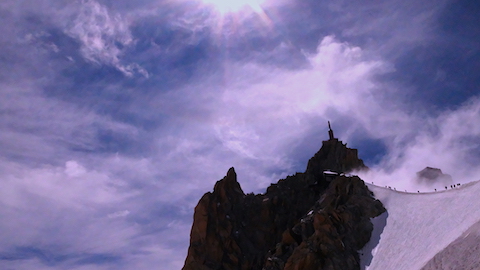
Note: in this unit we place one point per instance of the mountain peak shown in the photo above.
(333, 156)
(304, 219)
(228, 189)
(430, 175)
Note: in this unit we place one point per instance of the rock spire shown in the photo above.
(301, 222)
(330, 132)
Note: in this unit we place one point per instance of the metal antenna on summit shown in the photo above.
(330, 131)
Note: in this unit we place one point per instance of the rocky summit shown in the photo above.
(431, 175)
(318, 219)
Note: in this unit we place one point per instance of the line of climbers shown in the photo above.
(418, 191)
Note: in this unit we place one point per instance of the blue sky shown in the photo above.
(116, 116)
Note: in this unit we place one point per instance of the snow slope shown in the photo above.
(463, 253)
(417, 226)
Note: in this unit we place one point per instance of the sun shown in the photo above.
(232, 6)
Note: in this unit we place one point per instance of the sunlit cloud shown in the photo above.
(235, 5)
(103, 36)
(448, 142)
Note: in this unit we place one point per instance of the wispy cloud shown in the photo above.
(103, 36)
(73, 216)
(449, 142)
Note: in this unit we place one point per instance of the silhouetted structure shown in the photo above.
(330, 132)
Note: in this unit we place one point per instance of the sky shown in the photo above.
(117, 116)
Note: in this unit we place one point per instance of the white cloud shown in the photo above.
(102, 35)
(67, 211)
(40, 128)
(254, 120)
(265, 111)
(119, 214)
(73, 169)
(74, 208)
(449, 142)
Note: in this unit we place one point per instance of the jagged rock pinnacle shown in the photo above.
(301, 220)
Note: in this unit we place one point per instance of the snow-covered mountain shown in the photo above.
(438, 230)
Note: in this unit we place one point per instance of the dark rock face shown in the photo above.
(431, 175)
(333, 156)
(340, 222)
(302, 222)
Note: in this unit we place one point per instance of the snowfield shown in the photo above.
(418, 226)
(463, 253)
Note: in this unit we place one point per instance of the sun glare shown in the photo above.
(226, 6)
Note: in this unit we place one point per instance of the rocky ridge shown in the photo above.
(311, 220)
(432, 176)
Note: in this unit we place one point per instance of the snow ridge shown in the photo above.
(419, 225)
